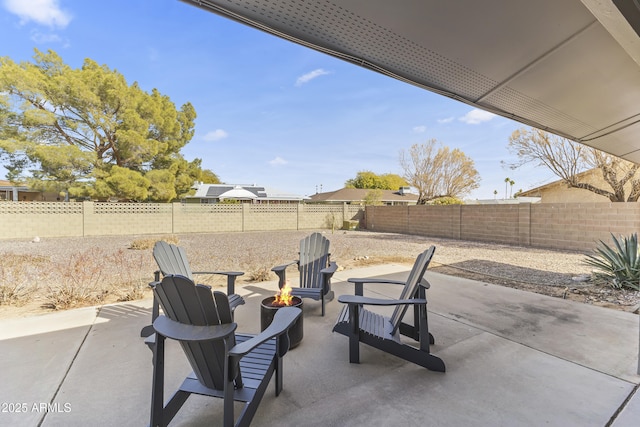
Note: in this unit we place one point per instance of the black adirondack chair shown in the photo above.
(172, 259)
(315, 267)
(381, 332)
(225, 365)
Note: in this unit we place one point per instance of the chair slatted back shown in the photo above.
(171, 259)
(411, 285)
(314, 256)
(184, 302)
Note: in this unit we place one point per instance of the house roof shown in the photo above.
(570, 67)
(7, 185)
(233, 191)
(357, 194)
(214, 191)
(534, 192)
(238, 192)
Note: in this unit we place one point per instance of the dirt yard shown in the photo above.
(113, 265)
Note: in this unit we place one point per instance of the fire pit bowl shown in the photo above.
(268, 310)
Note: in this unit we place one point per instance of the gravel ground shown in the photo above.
(539, 270)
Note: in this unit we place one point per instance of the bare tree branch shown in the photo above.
(441, 173)
(567, 159)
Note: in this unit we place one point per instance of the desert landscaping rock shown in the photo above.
(550, 272)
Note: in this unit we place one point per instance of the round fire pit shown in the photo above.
(268, 310)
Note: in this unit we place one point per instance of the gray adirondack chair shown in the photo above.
(315, 267)
(226, 365)
(172, 259)
(381, 332)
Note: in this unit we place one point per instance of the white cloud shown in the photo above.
(44, 12)
(278, 161)
(306, 78)
(42, 38)
(475, 117)
(420, 129)
(215, 135)
(445, 120)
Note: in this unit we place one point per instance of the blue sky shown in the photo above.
(270, 112)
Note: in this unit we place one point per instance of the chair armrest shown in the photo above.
(231, 278)
(281, 272)
(226, 273)
(359, 288)
(360, 300)
(282, 321)
(329, 270)
(282, 267)
(183, 332)
(370, 280)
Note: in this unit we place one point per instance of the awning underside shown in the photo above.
(568, 66)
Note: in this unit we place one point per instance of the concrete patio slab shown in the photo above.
(630, 414)
(35, 355)
(584, 334)
(513, 359)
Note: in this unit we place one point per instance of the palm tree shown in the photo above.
(511, 182)
(495, 194)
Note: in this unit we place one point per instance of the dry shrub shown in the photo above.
(18, 278)
(213, 280)
(259, 274)
(142, 244)
(132, 278)
(364, 261)
(78, 281)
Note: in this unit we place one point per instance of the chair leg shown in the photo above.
(228, 417)
(354, 337)
(282, 346)
(425, 336)
(278, 369)
(229, 388)
(157, 390)
(231, 284)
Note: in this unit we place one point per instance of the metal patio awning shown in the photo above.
(571, 67)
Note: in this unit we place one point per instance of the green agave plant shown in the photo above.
(619, 264)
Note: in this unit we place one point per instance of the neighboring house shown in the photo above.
(512, 201)
(216, 193)
(560, 192)
(357, 196)
(21, 193)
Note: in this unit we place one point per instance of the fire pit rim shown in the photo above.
(296, 301)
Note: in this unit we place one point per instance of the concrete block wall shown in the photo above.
(570, 226)
(320, 216)
(443, 222)
(524, 224)
(270, 217)
(56, 219)
(354, 213)
(489, 223)
(390, 219)
(578, 226)
(42, 219)
(206, 218)
(111, 219)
